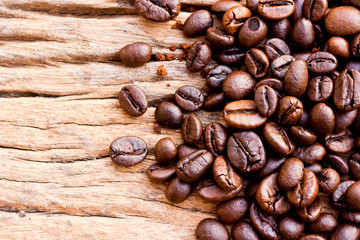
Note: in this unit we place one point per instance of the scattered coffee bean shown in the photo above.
(189, 98)
(244, 231)
(266, 100)
(329, 180)
(128, 151)
(215, 138)
(211, 229)
(178, 191)
(168, 115)
(291, 228)
(133, 100)
(159, 10)
(197, 23)
(159, 173)
(232, 210)
(234, 18)
(165, 151)
(191, 129)
(135, 54)
(256, 62)
(238, 85)
(198, 57)
(252, 32)
(278, 140)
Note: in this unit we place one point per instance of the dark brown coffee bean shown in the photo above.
(322, 62)
(159, 10)
(211, 229)
(244, 231)
(224, 175)
(290, 174)
(133, 100)
(165, 151)
(272, 165)
(210, 191)
(275, 47)
(341, 142)
(242, 114)
(289, 111)
(178, 191)
(310, 154)
(220, 7)
(302, 135)
(270, 198)
(355, 3)
(336, 162)
(218, 38)
(350, 216)
(338, 197)
(234, 18)
(135, 54)
(192, 167)
(280, 65)
(354, 165)
(329, 180)
(343, 21)
(347, 90)
(291, 228)
(298, 13)
(312, 237)
(256, 62)
(310, 213)
(281, 28)
(252, 5)
(315, 10)
(231, 56)
(266, 100)
(238, 85)
(355, 46)
(159, 173)
(352, 196)
(296, 78)
(344, 119)
(197, 23)
(252, 32)
(276, 137)
(215, 101)
(232, 210)
(217, 75)
(302, 34)
(198, 57)
(168, 115)
(320, 89)
(322, 119)
(274, 83)
(191, 129)
(276, 9)
(339, 47)
(128, 151)
(189, 98)
(326, 223)
(184, 150)
(315, 168)
(346, 231)
(246, 151)
(215, 138)
(265, 224)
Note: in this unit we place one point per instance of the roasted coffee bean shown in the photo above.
(210, 191)
(275, 47)
(274, 83)
(197, 23)
(238, 85)
(310, 213)
(191, 129)
(242, 114)
(305, 192)
(246, 151)
(329, 180)
(312, 237)
(225, 176)
(350, 216)
(133, 100)
(211, 229)
(135, 54)
(266, 100)
(218, 38)
(355, 46)
(220, 7)
(341, 142)
(316, 168)
(281, 28)
(336, 162)
(298, 13)
(320, 89)
(343, 21)
(302, 34)
(347, 90)
(244, 231)
(232, 210)
(215, 138)
(178, 191)
(234, 18)
(352, 196)
(231, 56)
(276, 9)
(354, 165)
(252, 32)
(252, 5)
(290, 174)
(338, 197)
(296, 78)
(128, 151)
(159, 10)
(265, 224)
(278, 140)
(310, 154)
(326, 223)
(291, 228)
(344, 119)
(315, 10)
(168, 115)
(355, 3)
(189, 98)
(198, 57)
(302, 55)
(217, 75)
(289, 111)
(215, 101)
(159, 173)
(256, 62)
(302, 135)
(165, 151)
(184, 150)
(272, 165)
(192, 167)
(322, 62)
(280, 65)
(322, 119)
(346, 231)
(270, 198)
(339, 47)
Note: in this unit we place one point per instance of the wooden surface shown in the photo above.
(59, 113)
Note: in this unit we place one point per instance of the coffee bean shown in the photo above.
(298, 13)
(347, 90)
(128, 151)
(244, 231)
(352, 196)
(355, 46)
(231, 56)
(343, 21)
(338, 197)
(159, 173)
(256, 62)
(346, 231)
(217, 75)
(302, 135)
(189, 98)
(312, 237)
(211, 229)
(302, 55)
(343, 120)
(197, 23)
(252, 5)
(165, 151)
(290, 174)
(264, 223)
(341, 142)
(246, 151)
(278, 140)
(210, 191)
(320, 89)
(266, 100)
(232, 210)
(355, 3)
(215, 138)
(191, 129)
(133, 100)
(326, 223)
(275, 47)
(185, 150)
(252, 32)
(135, 54)
(329, 180)
(281, 28)
(310, 154)
(336, 162)
(289, 111)
(234, 18)
(272, 165)
(354, 165)
(159, 10)
(220, 7)
(276, 9)
(218, 38)
(315, 10)
(350, 216)
(291, 228)
(198, 57)
(238, 85)
(274, 83)
(224, 175)
(322, 119)
(168, 115)
(322, 62)
(215, 101)
(178, 191)
(302, 34)
(296, 78)
(315, 168)
(339, 47)
(280, 65)
(310, 213)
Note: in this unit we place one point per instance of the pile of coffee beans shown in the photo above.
(288, 83)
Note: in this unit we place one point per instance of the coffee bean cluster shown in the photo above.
(288, 83)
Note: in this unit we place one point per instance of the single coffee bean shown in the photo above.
(320, 89)
(290, 174)
(159, 10)
(310, 213)
(215, 138)
(281, 64)
(192, 167)
(315, 10)
(302, 34)
(178, 191)
(234, 18)
(238, 85)
(329, 180)
(275, 47)
(343, 120)
(352, 196)
(272, 165)
(210, 191)
(350, 216)
(336, 162)
(211, 229)
(220, 7)
(339, 47)
(298, 13)
(270, 198)
(276, 9)
(244, 231)
(185, 150)
(274, 83)
(347, 90)
(215, 101)
(224, 175)
(217, 75)
(346, 231)
(165, 151)
(231, 56)
(266, 100)
(281, 28)
(312, 237)
(296, 78)
(278, 140)
(289, 111)
(338, 196)
(197, 23)
(341, 142)
(354, 165)
(191, 129)
(322, 62)
(232, 210)
(256, 62)
(326, 223)
(265, 224)
(252, 32)
(218, 38)
(316, 168)
(198, 57)
(159, 173)
(302, 135)
(343, 21)
(135, 54)
(322, 119)
(168, 115)
(242, 114)
(252, 5)
(246, 151)
(310, 154)
(291, 228)
(189, 98)
(355, 46)
(133, 100)
(128, 151)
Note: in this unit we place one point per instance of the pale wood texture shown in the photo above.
(59, 113)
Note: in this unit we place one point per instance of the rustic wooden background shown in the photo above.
(59, 113)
